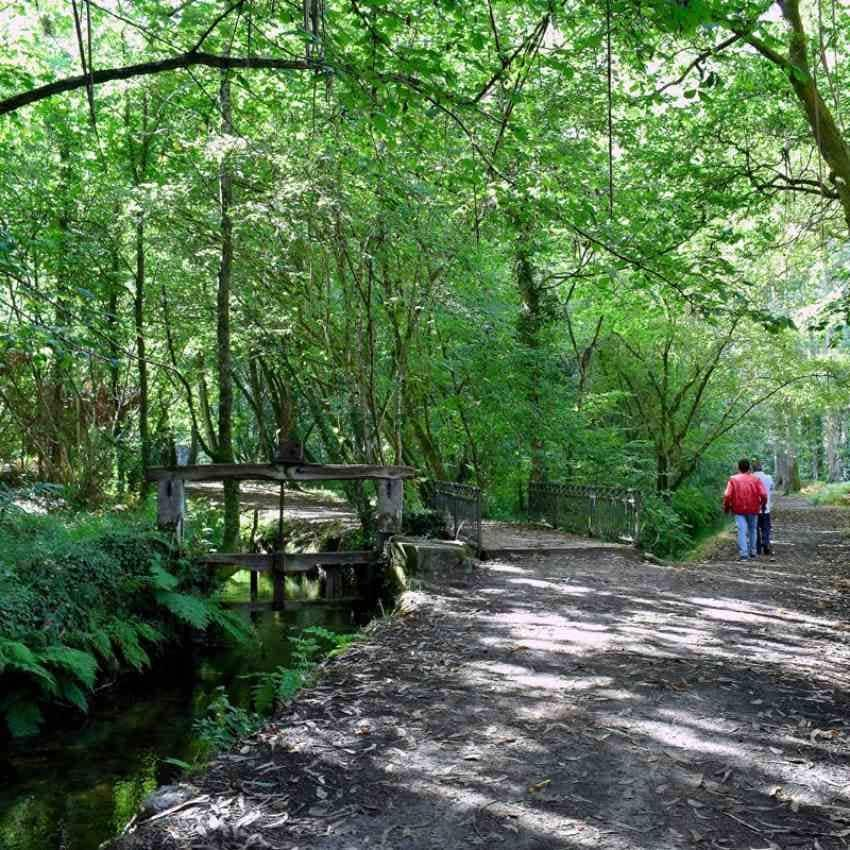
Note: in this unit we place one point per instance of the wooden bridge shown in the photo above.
(171, 513)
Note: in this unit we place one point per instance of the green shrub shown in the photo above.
(669, 528)
(225, 724)
(832, 494)
(698, 509)
(662, 531)
(84, 596)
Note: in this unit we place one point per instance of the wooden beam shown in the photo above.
(279, 472)
(297, 562)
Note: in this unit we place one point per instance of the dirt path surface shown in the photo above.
(499, 538)
(568, 702)
(304, 505)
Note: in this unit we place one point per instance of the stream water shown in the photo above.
(77, 787)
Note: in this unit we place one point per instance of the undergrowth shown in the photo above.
(830, 494)
(672, 527)
(226, 724)
(83, 598)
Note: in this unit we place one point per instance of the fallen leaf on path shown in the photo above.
(538, 785)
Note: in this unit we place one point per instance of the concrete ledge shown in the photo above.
(418, 560)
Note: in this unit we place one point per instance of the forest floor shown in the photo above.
(567, 701)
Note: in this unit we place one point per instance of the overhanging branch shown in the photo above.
(172, 63)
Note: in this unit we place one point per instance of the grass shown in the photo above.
(820, 493)
(709, 542)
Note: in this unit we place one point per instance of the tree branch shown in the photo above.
(172, 63)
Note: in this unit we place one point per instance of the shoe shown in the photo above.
(752, 556)
(743, 558)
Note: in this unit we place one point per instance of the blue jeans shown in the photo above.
(746, 534)
(764, 535)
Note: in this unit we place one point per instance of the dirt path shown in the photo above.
(571, 701)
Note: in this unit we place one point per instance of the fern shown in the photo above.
(148, 632)
(18, 658)
(99, 640)
(161, 579)
(189, 609)
(126, 638)
(81, 665)
(230, 623)
(72, 693)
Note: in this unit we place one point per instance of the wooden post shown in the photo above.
(254, 586)
(279, 583)
(333, 582)
(171, 500)
(390, 509)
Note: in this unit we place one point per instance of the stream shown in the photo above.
(75, 787)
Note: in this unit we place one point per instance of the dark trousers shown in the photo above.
(763, 536)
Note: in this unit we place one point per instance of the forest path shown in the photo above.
(315, 506)
(568, 701)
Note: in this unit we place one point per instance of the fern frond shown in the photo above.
(161, 579)
(81, 665)
(150, 633)
(126, 638)
(72, 693)
(189, 609)
(21, 659)
(234, 626)
(99, 640)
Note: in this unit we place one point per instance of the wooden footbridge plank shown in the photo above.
(299, 562)
(279, 472)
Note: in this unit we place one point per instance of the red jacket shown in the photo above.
(745, 494)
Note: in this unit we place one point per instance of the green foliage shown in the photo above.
(82, 597)
(662, 530)
(698, 509)
(832, 494)
(279, 686)
(225, 723)
(494, 265)
(672, 526)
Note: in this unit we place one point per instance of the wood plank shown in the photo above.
(303, 561)
(297, 562)
(278, 472)
(246, 560)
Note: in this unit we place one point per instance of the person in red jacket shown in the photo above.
(745, 496)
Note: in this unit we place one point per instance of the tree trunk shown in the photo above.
(224, 354)
(529, 326)
(141, 353)
(833, 439)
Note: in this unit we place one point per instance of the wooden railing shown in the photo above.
(607, 513)
(460, 507)
(171, 510)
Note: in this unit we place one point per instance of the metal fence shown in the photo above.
(607, 513)
(460, 506)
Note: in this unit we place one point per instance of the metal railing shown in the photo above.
(460, 507)
(607, 513)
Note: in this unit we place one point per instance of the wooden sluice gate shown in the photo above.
(389, 480)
